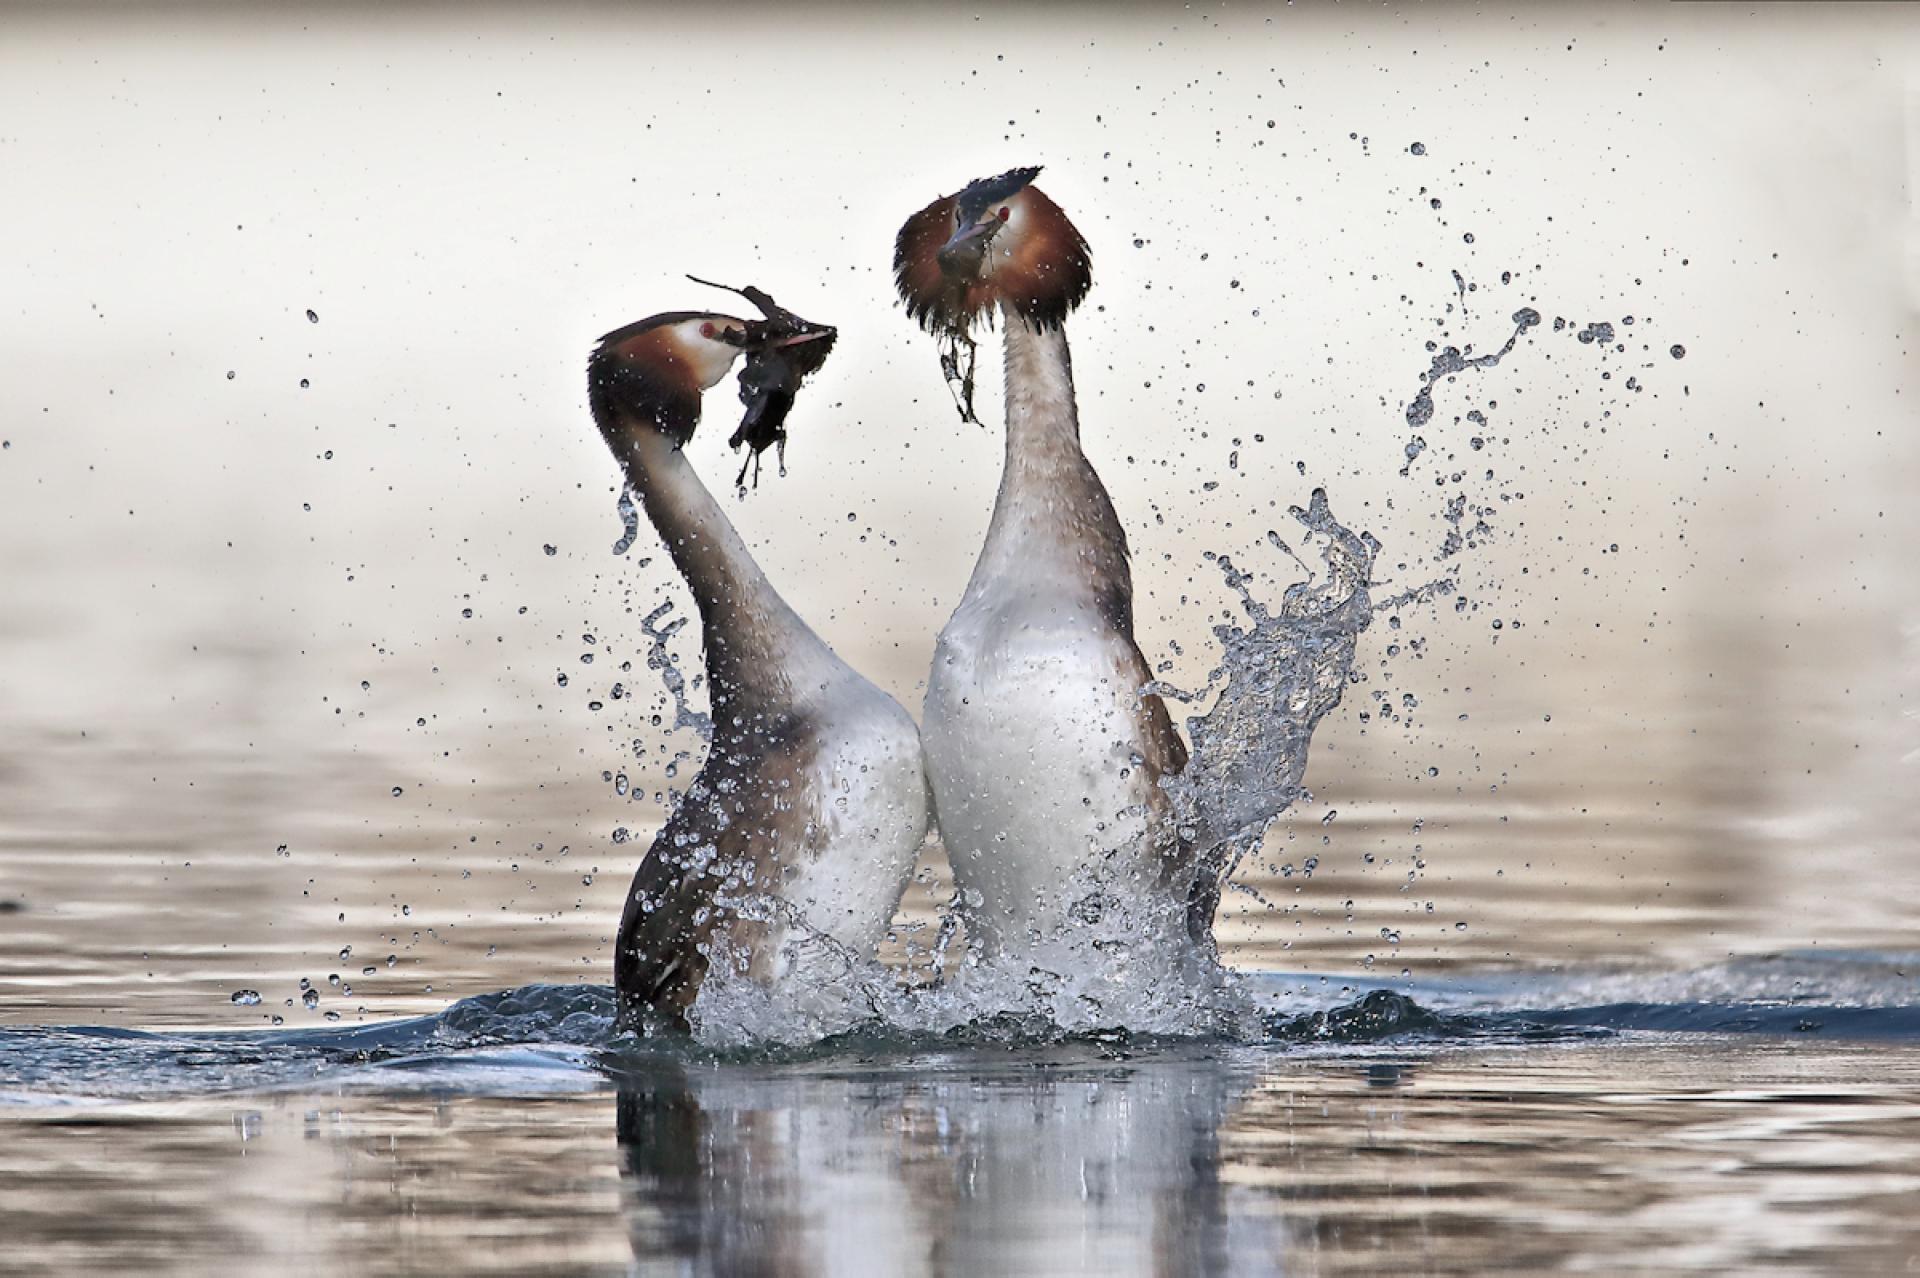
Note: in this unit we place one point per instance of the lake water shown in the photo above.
(310, 630)
(1774, 1136)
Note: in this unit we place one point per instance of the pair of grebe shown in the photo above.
(1041, 754)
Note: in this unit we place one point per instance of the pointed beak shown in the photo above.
(965, 251)
(812, 334)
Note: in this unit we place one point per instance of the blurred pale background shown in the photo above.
(280, 636)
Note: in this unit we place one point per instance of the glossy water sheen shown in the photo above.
(1633, 1153)
(1764, 1115)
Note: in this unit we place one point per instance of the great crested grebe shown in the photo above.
(793, 845)
(1044, 749)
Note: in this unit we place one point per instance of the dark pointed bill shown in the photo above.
(782, 351)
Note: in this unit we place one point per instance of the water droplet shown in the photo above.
(246, 998)
(311, 998)
(1418, 148)
(397, 791)
(312, 316)
(1677, 351)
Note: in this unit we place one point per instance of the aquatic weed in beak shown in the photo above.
(958, 352)
(998, 245)
(783, 350)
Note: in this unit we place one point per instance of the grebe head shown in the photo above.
(653, 373)
(997, 241)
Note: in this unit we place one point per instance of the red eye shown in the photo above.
(1003, 213)
(706, 329)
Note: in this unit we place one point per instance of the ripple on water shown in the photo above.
(545, 1038)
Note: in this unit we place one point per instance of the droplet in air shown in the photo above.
(1677, 351)
(312, 316)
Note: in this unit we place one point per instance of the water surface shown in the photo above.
(1430, 1143)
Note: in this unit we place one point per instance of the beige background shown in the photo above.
(1702, 742)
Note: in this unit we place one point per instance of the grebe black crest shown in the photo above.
(999, 243)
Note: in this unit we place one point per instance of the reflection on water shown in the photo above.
(943, 1168)
(1708, 1155)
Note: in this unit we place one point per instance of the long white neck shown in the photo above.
(1053, 524)
(760, 655)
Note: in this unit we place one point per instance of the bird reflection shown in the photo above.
(1054, 1163)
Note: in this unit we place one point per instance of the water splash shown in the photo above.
(1099, 979)
(1453, 360)
(1125, 964)
(1280, 673)
(660, 657)
(629, 521)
